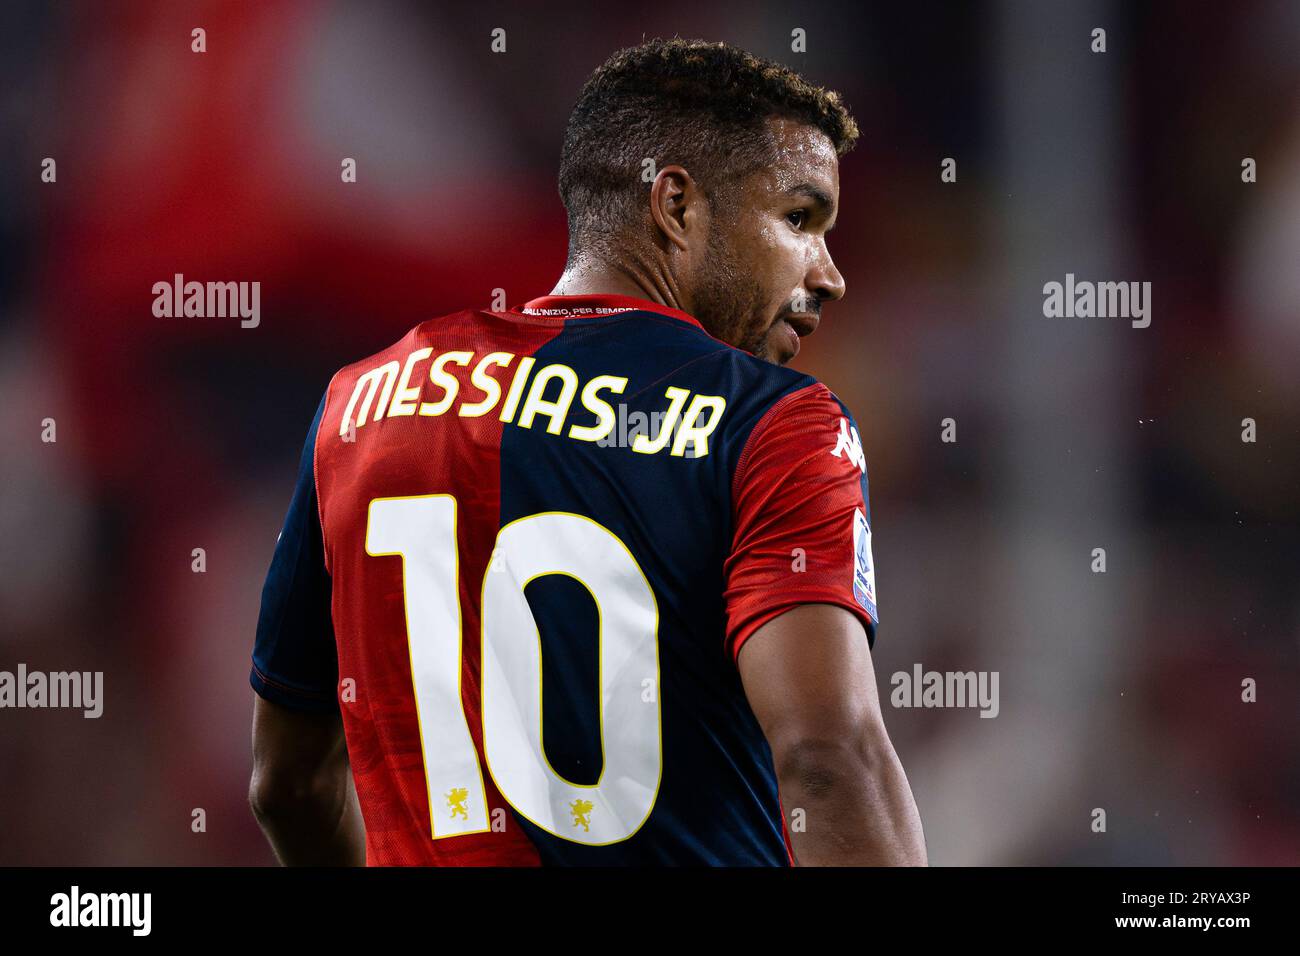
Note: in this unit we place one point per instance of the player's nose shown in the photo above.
(824, 280)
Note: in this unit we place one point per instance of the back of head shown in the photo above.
(701, 105)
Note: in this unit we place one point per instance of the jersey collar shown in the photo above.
(591, 306)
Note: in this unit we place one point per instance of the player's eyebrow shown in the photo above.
(822, 200)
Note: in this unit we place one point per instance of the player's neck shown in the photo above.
(603, 278)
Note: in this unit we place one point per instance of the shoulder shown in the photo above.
(803, 418)
(755, 387)
(397, 350)
(372, 379)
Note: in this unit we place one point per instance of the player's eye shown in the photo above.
(798, 218)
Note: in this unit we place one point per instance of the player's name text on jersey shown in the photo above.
(632, 424)
(946, 689)
(536, 396)
(58, 689)
(212, 300)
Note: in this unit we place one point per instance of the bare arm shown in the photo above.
(810, 681)
(302, 791)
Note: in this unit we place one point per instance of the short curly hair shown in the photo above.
(691, 102)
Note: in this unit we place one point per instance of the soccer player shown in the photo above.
(589, 580)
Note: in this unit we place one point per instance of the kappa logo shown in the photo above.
(851, 445)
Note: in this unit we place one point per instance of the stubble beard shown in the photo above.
(728, 300)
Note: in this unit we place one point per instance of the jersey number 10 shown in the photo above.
(422, 531)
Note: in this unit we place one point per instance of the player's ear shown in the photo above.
(676, 203)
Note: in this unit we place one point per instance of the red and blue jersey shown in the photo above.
(524, 551)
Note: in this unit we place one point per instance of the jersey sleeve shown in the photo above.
(802, 524)
(295, 659)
